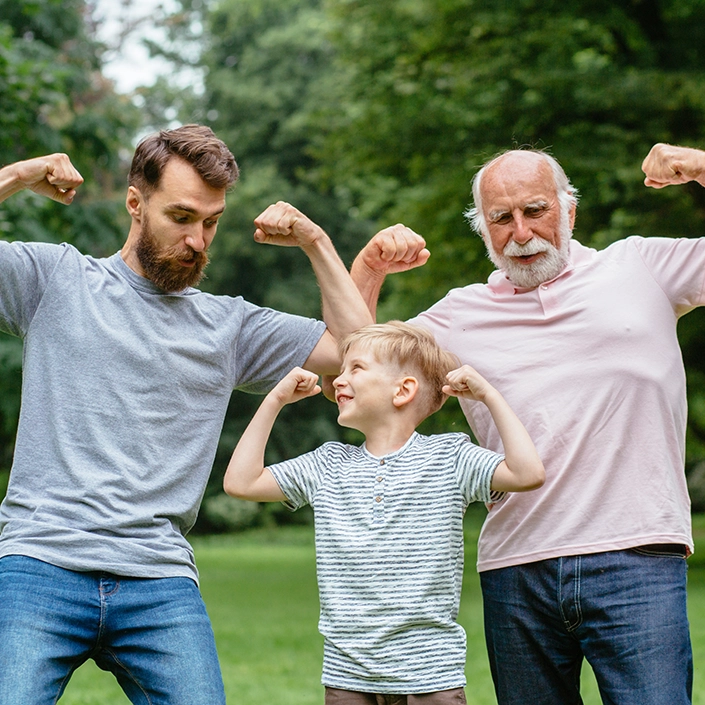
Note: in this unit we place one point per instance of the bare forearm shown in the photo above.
(521, 458)
(245, 476)
(344, 309)
(368, 283)
(9, 184)
(53, 176)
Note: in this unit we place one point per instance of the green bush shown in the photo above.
(225, 513)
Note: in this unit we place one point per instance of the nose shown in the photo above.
(196, 238)
(338, 381)
(522, 229)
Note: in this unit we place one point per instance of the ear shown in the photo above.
(571, 215)
(406, 390)
(134, 202)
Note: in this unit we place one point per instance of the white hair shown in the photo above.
(566, 192)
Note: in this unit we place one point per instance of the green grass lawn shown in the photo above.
(260, 589)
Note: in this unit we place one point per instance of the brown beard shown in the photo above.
(161, 266)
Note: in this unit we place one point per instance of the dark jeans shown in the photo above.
(623, 611)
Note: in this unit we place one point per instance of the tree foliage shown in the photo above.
(53, 98)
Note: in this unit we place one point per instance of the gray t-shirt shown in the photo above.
(124, 393)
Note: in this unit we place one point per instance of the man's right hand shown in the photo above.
(53, 176)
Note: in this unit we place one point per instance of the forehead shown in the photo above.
(182, 184)
(371, 353)
(361, 350)
(517, 179)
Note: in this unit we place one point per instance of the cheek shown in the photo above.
(496, 241)
(550, 230)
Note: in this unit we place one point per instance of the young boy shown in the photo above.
(389, 514)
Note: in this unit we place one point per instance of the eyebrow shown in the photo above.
(541, 203)
(188, 209)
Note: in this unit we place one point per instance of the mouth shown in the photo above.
(527, 259)
(342, 399)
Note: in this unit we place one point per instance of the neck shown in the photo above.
(128, 254)
(385, 441)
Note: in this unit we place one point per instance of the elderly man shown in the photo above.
(128, 370)
(582, 343)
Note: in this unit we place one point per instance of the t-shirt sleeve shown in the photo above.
(678, 266)
(475, 468)
(301, 477)
(271, 343)
(25, 269)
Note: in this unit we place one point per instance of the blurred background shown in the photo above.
(362, 113)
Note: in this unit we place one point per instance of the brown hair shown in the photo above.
(414, 350)
(196, 144)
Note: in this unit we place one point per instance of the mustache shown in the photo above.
(187, 255)
(532, 247)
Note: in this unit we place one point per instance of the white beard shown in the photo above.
(545, 268)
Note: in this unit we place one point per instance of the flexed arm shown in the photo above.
(344, 309)
(521, 468)
(668, 165)
(394, 249)
(246, 476)
(53, 176)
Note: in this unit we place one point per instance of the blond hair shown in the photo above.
(414, 350)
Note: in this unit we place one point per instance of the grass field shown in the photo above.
(260, 589)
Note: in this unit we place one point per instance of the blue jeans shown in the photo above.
(623, 611)
(153, 634)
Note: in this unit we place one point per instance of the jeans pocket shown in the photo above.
(672, 550)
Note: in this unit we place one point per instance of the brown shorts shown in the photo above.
(334, 696)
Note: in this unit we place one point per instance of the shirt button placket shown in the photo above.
(378, 504)
(549, 303)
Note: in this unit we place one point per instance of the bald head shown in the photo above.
(519, 165)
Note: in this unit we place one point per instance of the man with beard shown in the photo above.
(582, 344)
(127, 375)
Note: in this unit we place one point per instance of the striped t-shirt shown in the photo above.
(389, 547)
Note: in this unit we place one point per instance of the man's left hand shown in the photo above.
(282, 224)
(668, 165)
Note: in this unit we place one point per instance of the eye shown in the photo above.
(210, 223)
(502, 218)
(535, 211)
(179, 219)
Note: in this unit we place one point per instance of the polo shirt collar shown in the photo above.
(579, 256)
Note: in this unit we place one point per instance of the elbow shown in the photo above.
(233, 488)
(535, 478)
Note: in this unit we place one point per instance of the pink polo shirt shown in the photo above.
(590, 362)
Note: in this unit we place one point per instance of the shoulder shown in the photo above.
(329, 453)
(645, 245)
(41, 255)
(457, 301)
(440, 443)
(657, 253)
